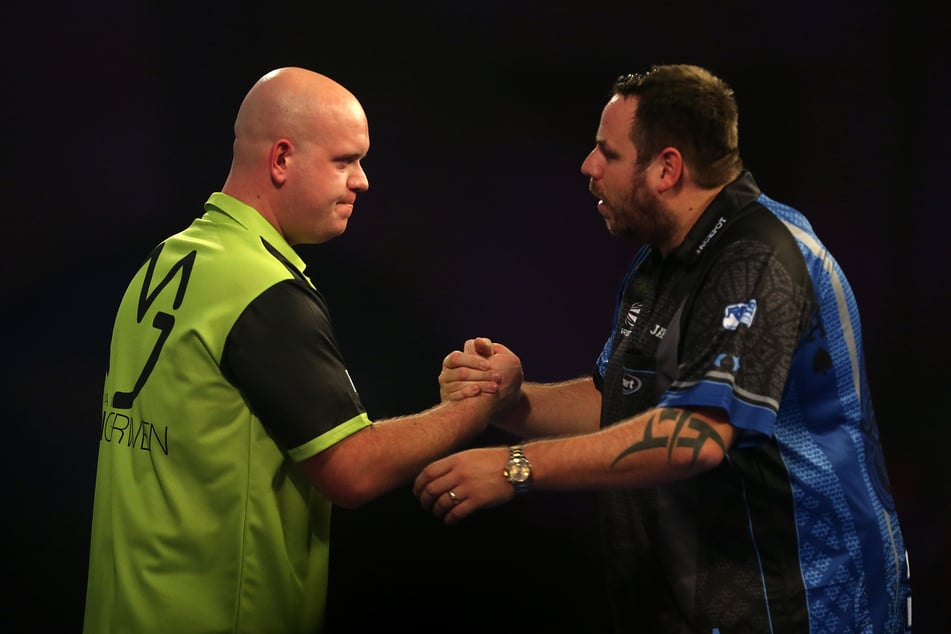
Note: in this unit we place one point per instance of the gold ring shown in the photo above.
(453, 497)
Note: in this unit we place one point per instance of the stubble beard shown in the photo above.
(639, 216)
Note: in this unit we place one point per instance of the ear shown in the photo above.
(278, 160)
(671, 163)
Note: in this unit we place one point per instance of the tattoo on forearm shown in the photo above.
(682, 420)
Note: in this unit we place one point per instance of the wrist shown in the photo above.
(476, 408)
(518, 470)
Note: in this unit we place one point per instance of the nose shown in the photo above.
(589, 167)
(358, 180)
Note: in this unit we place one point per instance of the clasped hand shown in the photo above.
(464, 482)
(481, 367)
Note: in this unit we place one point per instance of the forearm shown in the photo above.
(393, 451)
(553, 409)
(661, 445)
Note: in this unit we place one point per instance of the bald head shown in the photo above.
(285, 101)
(288, 102)
(293, 124)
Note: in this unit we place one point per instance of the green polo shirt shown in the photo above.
(223, 373)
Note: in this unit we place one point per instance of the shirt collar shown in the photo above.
(252, 220)
(731, 200)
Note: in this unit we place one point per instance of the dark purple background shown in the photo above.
(117, 121)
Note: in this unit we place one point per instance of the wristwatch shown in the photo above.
(518, 471)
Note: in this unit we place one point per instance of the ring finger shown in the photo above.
(447, 501)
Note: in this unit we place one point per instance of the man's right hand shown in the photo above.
(481, 367)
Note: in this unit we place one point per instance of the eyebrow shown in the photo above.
(349, 158)
(604, 146)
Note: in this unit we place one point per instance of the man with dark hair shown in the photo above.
(727, 425)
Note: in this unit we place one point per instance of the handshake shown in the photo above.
(481, 367)
(461, 483)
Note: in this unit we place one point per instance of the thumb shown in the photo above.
(483, 347)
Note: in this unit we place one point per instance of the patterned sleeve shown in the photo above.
(741, 332)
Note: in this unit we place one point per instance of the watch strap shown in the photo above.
(518, 461)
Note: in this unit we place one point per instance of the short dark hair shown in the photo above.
(689, 108)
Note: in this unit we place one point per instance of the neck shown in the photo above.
(685, 211)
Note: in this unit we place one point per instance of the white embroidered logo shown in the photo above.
(736, 314)
(631, 318)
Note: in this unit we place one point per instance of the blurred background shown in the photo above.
(118, 124)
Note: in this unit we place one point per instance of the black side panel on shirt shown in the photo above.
(283, 356)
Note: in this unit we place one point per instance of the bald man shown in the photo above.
(229, 422)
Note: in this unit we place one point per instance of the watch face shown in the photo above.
(519, 471)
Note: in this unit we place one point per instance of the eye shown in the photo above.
(344, 162)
